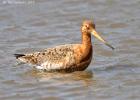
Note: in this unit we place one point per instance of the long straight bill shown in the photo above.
(101, 39)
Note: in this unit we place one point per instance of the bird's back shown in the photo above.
(53, 59)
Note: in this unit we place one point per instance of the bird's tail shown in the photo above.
(18, 55)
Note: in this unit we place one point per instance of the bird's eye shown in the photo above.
(87, 26)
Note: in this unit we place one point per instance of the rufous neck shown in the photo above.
(86, 39)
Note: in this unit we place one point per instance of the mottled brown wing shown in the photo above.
(60, 57)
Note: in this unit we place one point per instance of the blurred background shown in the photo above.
(32, 25)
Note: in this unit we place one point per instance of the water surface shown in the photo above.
(39, 24)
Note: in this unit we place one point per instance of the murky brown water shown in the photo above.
(31, 26)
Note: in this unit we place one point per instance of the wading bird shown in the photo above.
(68, 57)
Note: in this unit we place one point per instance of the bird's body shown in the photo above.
(65, 58)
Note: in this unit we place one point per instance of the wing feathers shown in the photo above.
(18, 55)
(51, 58)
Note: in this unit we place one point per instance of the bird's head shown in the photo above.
(89, 28)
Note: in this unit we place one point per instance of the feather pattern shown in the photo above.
(69, 57)
(60, 57)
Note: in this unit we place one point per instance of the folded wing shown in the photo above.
(58, 58)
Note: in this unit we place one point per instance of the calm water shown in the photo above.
(32, 25)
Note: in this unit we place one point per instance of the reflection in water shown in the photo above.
(85, 76)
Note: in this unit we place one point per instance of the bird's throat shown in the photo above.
(86, 39)
(86, 47)
(86, 43)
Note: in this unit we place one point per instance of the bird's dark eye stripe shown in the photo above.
(87, 26)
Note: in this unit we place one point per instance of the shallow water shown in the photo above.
(38, 24)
